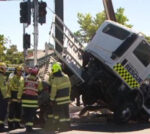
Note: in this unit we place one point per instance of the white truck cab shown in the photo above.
(122, 49)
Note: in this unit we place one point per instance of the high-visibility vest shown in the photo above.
(31, 87)
(30, 93)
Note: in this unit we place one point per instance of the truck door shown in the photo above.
(137, 60)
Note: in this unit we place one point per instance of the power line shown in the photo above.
(51, 10)
(10, 0)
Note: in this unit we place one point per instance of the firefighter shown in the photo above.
(16, 83)
(29, 97)
(3, 96)
(59, 98)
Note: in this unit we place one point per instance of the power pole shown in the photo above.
(24, 50)
(59, 10)
(108, 6)
(35, 18)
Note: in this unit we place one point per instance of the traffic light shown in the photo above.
(25, 12)
(42, 12)
(26, 41)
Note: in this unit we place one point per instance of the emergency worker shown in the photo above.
(60, 98)
(3, 96)
(16, 83)
(49, 123)
(29, 97)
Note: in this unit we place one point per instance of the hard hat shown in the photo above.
(19, 68)
(33, 71)
(2, 66)
(56, 67)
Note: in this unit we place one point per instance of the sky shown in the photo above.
(137, 11)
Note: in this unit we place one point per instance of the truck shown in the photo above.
(110, 69)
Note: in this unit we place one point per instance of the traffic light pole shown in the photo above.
(24, 50)
(35, 2)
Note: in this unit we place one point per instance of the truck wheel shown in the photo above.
(123, 114)
(143, 117)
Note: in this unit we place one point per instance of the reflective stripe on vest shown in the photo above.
(30, 92)
(1, 122)
(64, 119)
(29, 124)
(50, 115)
(29, 103)
(17, 119)
(63, 102)
(31, 106)
(10, 120)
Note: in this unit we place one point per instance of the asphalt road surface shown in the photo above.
(98, 128)
(95, 123)
(95, 127)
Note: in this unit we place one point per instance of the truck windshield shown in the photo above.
(116, 32)
(142, 52)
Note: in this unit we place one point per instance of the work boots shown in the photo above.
(64, 127)
(2, 128)
(11, 126)
(17, 125)
(29, 129)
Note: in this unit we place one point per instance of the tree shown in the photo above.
(121, 18)
(10, 55)
(13, 56)
(89, 24)
(2, 48)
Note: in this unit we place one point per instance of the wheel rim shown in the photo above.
(126, 114)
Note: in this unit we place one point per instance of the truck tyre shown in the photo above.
(123, 114)
(143, 117)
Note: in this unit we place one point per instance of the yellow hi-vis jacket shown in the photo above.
(3, 86)
(60, 89)
(50, 78)
(15, 84)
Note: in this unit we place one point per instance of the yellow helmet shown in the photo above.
(2, 66)
(56, 67)
(19, 68)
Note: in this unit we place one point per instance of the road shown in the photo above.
(96, 123)
(101, 127)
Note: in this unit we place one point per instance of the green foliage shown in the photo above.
(147, 38)
(121, 18)
(89, 24)
(2, 48)
(13, 56)
(10, 55)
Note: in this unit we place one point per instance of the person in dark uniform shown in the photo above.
(29, 97)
